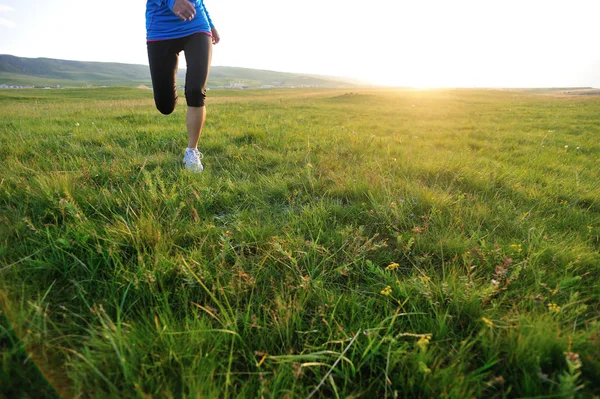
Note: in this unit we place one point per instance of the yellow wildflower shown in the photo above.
(392, 266)
(424, 341)
(387, 291)
(554, 308)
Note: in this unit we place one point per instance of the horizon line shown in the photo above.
(364, 83)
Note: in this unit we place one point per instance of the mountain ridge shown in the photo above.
(43, 71)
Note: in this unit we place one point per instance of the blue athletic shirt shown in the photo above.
(163, 24)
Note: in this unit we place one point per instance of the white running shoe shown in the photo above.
(191, 159)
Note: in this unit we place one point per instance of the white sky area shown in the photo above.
(422, 43)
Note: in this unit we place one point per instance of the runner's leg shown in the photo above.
(198, 55)
(163, 57)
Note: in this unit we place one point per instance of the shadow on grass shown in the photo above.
(19, 375)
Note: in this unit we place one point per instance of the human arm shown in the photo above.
(215, 34)
(210, 22)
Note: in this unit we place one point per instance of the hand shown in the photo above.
(215, 36)
(184, 9)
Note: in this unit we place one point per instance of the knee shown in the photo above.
(166, 108)
(165, 101)
(195, 97)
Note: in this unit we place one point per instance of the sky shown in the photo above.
(419, 43)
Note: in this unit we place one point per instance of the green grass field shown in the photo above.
(401, 244)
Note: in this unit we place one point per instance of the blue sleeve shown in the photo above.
(170, 4)
(210, 22)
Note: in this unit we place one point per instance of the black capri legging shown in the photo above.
(163, 57)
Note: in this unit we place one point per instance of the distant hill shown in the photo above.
(47, 71)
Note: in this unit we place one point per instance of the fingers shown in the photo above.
(186, 15)
(184, 9)
(189, 9)
(215, 36)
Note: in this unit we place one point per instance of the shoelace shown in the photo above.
(195, 155)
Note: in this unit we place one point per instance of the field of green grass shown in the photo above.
(373, 244)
